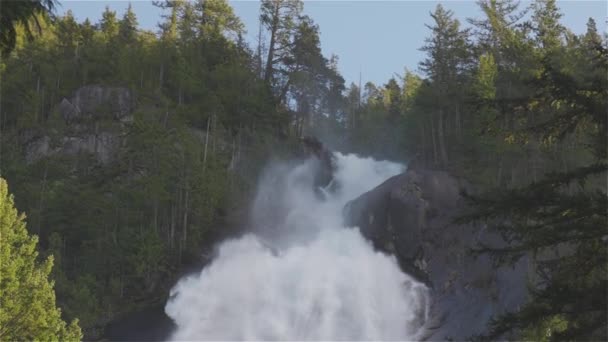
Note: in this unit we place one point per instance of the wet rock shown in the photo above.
(312, 147)
(150, 324)
(410, 215)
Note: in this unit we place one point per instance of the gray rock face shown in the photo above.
(410, 215)
(37, 149)
(95, 101)
(101, 145)
(81, 113)
(68, 111)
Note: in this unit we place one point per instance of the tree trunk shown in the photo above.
(178, 208)
(238, 150)
(499, 172)
(213, 137)
(458, 122)
(155, 222)
(434, 139)
(259, 52)
(423, 145)
(166, 119)
(40, 202)
(441, 135)
(185, 233)
(38, 105)
(172, 228)
(513, 172)
(273, 33)
(206, 143)
(161, 76)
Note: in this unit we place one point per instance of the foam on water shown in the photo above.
(302, 275)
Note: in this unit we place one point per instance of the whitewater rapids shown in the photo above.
(302, 275)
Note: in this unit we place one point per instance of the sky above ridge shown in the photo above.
(374, 40)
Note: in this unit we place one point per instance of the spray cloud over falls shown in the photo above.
(301, 275)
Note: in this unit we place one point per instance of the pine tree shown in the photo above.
(87, 32)
(446, 61)
(546, 24)
(307, 73)
(127, 27)
(592, 38)
(109, 24)
(393, 99)
(563, 211)
(279, 17)
(27, 298)
(217, 19)
(68, 33)
(13, 13)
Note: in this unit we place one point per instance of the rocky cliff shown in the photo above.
(90, 122)
(410, 215)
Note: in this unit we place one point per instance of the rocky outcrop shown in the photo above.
(95, 101)
(312, 147)
(101, 146)
(82, 132)
(410, 215)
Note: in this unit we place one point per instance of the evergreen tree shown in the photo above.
(447, 58)
(546, 18)
(27, 298)
(564, 211)
(335, 99)
(127, 27)
(393, 99)
(68, 33)
(87, 32)
(279, 18)
(13, 13)
(592, 38)
(217, 19)
(307, 74)
(109, 24)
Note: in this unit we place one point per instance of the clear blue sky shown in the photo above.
(376, 38)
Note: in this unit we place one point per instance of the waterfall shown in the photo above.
(300, 274)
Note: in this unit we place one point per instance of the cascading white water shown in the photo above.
(302, 275)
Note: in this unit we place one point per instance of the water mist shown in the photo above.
(300, 274)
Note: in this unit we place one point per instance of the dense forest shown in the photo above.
(125, 195)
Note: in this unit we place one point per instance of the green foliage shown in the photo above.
(544, 331)
(27, 298)
(127, 27)
(109, 24)
(24, 14)
(521, 113)
(184, 163)
(564, 211)
(502, 104)
(485, 79)
(218, 19)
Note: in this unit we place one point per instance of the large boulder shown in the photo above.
(411, 216)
